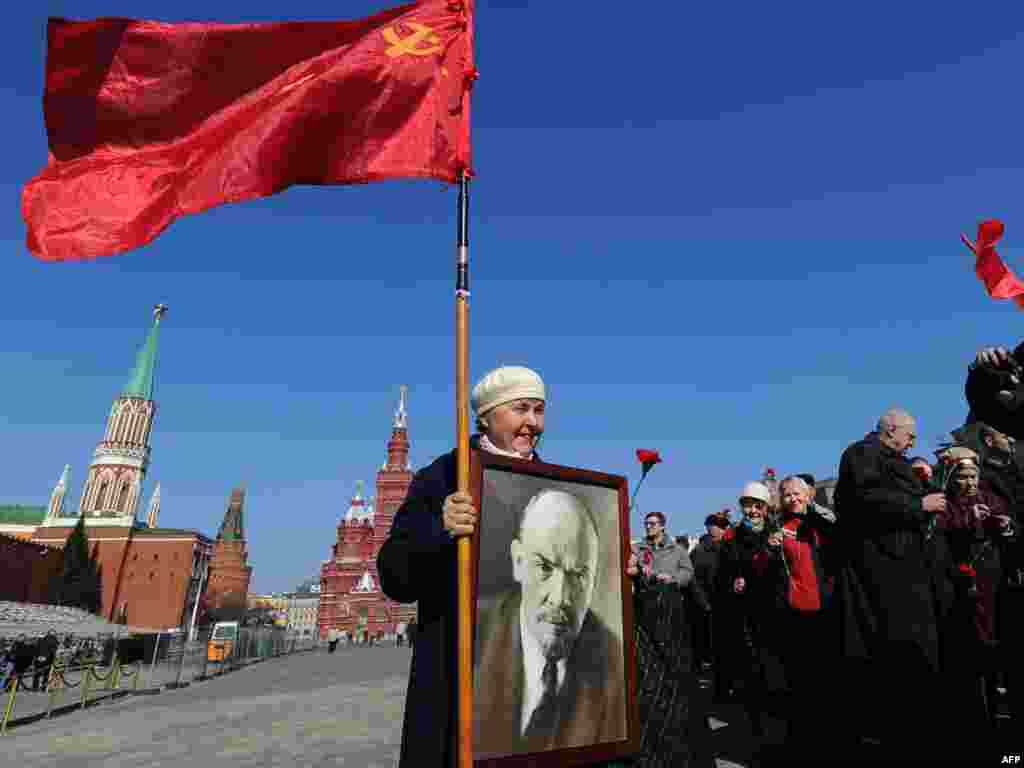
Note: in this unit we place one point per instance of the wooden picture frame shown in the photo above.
(554, 588)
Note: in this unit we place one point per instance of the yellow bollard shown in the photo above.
(116, 675)
(86, 669)
(54, 677)
(10, 704)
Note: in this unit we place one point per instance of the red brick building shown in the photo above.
(230, 571)
(26, 569)
(350, 596)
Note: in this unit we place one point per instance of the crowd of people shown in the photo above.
(890, 617)
(31, 657)
(896, 614)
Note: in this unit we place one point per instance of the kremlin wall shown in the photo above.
(156, 577)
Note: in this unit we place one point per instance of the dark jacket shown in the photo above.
(418, 563)
(46, 648)
(705, 569)
(746, 622)
(983, 547)
(885, 582)
(983, 383)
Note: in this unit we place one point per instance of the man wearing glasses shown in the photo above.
(660, 560)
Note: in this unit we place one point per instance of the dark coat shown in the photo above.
(705, 571)
(591, 701)
(983, 383)
(974, 618)
(745, 622)
(885, 589)
(418, 564)
(47, 647)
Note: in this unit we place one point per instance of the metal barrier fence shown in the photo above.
(89, 671)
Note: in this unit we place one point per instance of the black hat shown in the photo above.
(807, 478)
(720, 519)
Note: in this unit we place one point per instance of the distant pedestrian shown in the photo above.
(332, 640)
(46, 651)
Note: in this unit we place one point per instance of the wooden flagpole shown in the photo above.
(463, 543)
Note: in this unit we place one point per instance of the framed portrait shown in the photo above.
(554, 671)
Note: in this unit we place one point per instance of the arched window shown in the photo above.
(122, 499)
(101, 496)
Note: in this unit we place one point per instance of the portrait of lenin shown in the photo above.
(549, 671)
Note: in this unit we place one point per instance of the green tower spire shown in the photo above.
(141, 382)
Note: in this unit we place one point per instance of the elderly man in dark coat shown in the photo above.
(885, 586)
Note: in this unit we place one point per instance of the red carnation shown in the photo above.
(770, 472)
(968, 570)
(648, 458)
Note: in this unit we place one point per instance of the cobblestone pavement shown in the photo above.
(310, 709)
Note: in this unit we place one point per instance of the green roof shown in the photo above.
(19, 514)
(141, 382)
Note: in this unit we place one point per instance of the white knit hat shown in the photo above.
(756, 490)
(503, 385)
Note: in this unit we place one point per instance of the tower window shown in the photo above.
(122, 500)
(101, 495)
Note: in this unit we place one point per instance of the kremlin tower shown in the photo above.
(151, 576)
(230, 571)
(114, 483)
(350, 596)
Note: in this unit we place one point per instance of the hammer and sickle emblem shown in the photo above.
(421, 33)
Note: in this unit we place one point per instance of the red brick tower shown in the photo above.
(350, 596)
(229, 569)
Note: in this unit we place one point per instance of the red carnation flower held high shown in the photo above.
(648, 458)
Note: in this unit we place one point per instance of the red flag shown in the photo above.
(149, 121)
(999, 280)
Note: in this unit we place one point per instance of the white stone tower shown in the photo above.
(154, 508)
(114, 484)
(56, 509)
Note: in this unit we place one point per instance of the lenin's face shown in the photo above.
(555, 562)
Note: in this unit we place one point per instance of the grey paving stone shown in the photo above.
(309, 709)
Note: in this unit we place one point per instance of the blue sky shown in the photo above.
(729, 234)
